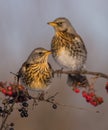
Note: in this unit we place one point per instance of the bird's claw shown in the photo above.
(59, 72)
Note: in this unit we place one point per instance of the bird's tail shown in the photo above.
(77, 80)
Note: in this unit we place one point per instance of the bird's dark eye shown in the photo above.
(40, 53)
(59, 24)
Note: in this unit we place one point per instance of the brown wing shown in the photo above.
(75, 42)
(71, 42)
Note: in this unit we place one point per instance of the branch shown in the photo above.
(7, 115)
(98, 74)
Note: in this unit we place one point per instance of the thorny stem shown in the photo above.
(99, 74)
(6, 117)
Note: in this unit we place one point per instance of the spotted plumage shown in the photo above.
(36, 73)
(68, 49)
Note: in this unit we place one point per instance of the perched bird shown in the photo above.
(36, 73)
(68, 49)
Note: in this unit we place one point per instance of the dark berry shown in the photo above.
(14, 94)
(22, 114)
(19, 110)
(12, 124)
(11, 128)
(11, 101)
(25, 111)
(1, 110)
(54, 106)
(25, 104)
(22, 99)
(26, 114)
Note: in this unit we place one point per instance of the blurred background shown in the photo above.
(23, 27)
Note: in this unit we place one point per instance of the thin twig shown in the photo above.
(6, 117)
(99, 74)
(76, 107)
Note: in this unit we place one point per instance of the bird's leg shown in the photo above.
(41, 96)
(59, 72)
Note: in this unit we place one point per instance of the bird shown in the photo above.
(68, 50)
(36, 73)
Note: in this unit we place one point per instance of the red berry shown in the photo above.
(9, 88)
(88, 98)
(84, 94)
(94, 103)
(9, 93)
(76, 90)
(100, 100)
(4, 91)
(92, 94)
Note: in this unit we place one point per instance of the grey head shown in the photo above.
(38, 55)
(62, 24)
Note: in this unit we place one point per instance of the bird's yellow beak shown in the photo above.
(52, 24)
(48, 52)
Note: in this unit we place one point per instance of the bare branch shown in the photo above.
(98, 74)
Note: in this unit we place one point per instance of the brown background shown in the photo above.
(23, 27)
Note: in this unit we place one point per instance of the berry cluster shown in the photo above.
(89, 95)
(24, 109)
(23, 112)
(14, 91)
(92, 98)
(8, 91)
